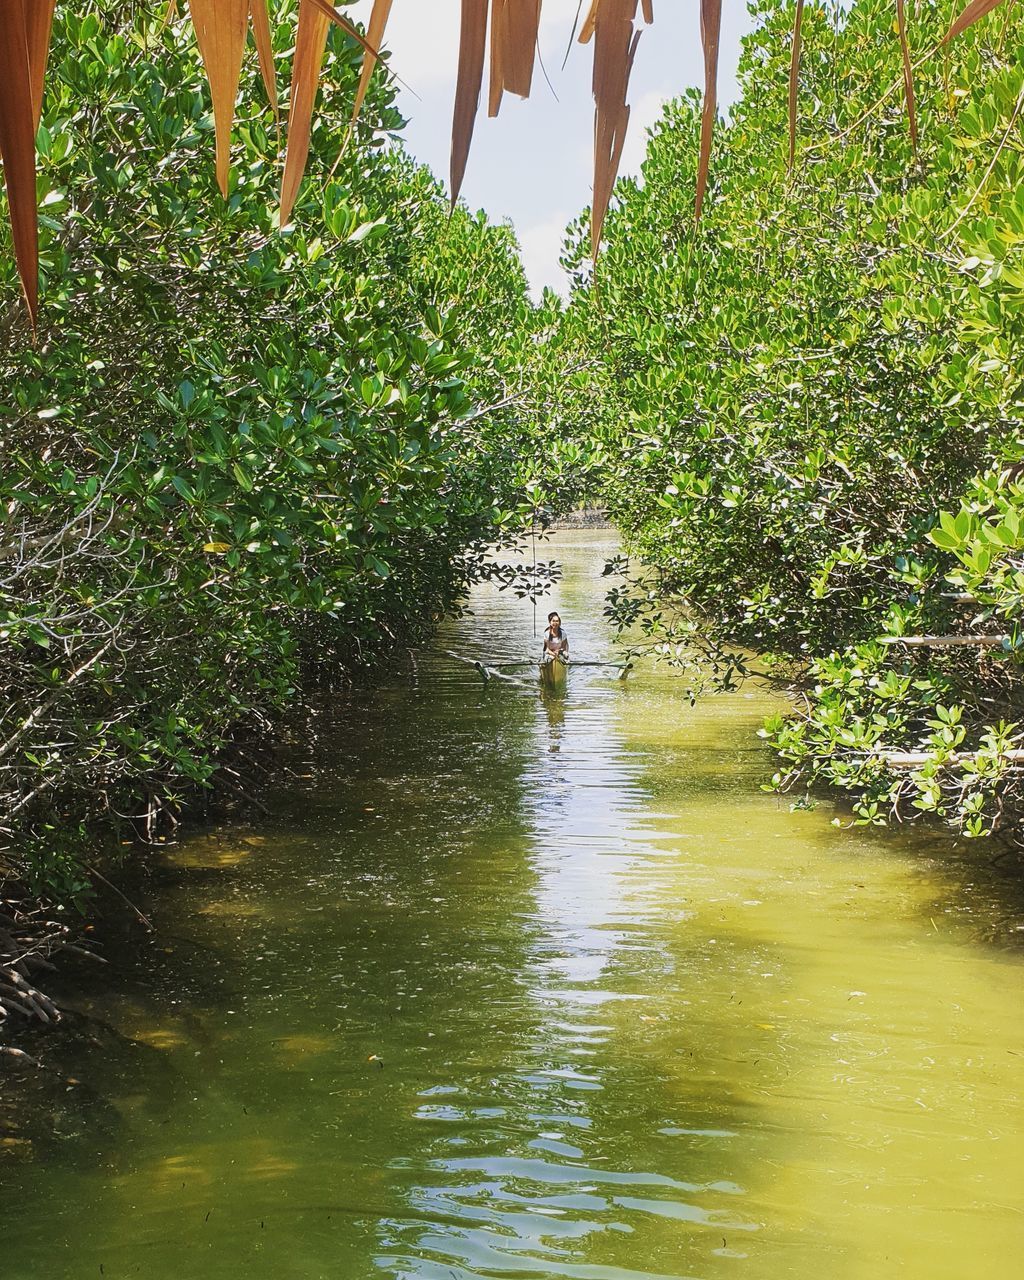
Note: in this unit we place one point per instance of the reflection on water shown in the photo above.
(537, 983)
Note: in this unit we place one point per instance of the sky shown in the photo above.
(534, 164)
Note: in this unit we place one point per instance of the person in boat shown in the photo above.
(556, 642)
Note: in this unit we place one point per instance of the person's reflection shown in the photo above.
(554, 706)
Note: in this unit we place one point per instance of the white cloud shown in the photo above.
(423, 38)
(541, 245)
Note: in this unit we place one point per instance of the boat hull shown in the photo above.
(553, 672)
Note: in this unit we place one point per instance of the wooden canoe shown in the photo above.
(553, 671)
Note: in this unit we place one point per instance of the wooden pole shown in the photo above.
(947, 642)
(916, 759)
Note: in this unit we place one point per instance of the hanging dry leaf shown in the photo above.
(310, 45)
(710, 32)
(497, 85)
(18, 145)
(39, 23)
(375, 37)
(794, 77)
(221, 27)
(170, 13)
(589, 22)
(514, 27)
(908, 73)
(328, 10)
(220, 31)
(472, 46)
(970, 15)
(615, 41)
(265, 51)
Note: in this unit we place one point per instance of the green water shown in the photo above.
(525, 988)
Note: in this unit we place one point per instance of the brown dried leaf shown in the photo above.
(615, 41)
(310, 45)
(908, 73)
(497, 87)
(970, 15)
(710, 31)
(472, 47)
(515, 35)
(328, 10)
(374, 37)
(794, 77)
(265, 51)
(220, 30)
(18, 145)
(590, 22)
(39, 22)
(170, 13)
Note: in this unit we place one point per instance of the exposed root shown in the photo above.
(29, 939)
(20, 1056)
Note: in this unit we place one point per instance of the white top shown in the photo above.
(556, 644)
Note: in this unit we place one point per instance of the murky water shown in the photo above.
(519, 987)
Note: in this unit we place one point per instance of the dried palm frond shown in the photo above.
(589, 22)
(710, 31)
(794, 76)
(615, 40)
(970, 15)
(521, 25)
(472, 48)
(221, 27)
(39, 22)
(310, 46)
(908, 73)
(497, 85)
(18, 142)
(265, 52)
(375, 38)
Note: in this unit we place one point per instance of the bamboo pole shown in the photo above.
(947, 642)
(916, 759)
(485, 673)
(492, 672)
(573, 662)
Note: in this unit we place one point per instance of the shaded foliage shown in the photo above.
(238, 461)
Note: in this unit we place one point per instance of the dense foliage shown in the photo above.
(809, 406)
(238, 460)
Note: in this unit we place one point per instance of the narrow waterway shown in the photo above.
(512, 985)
